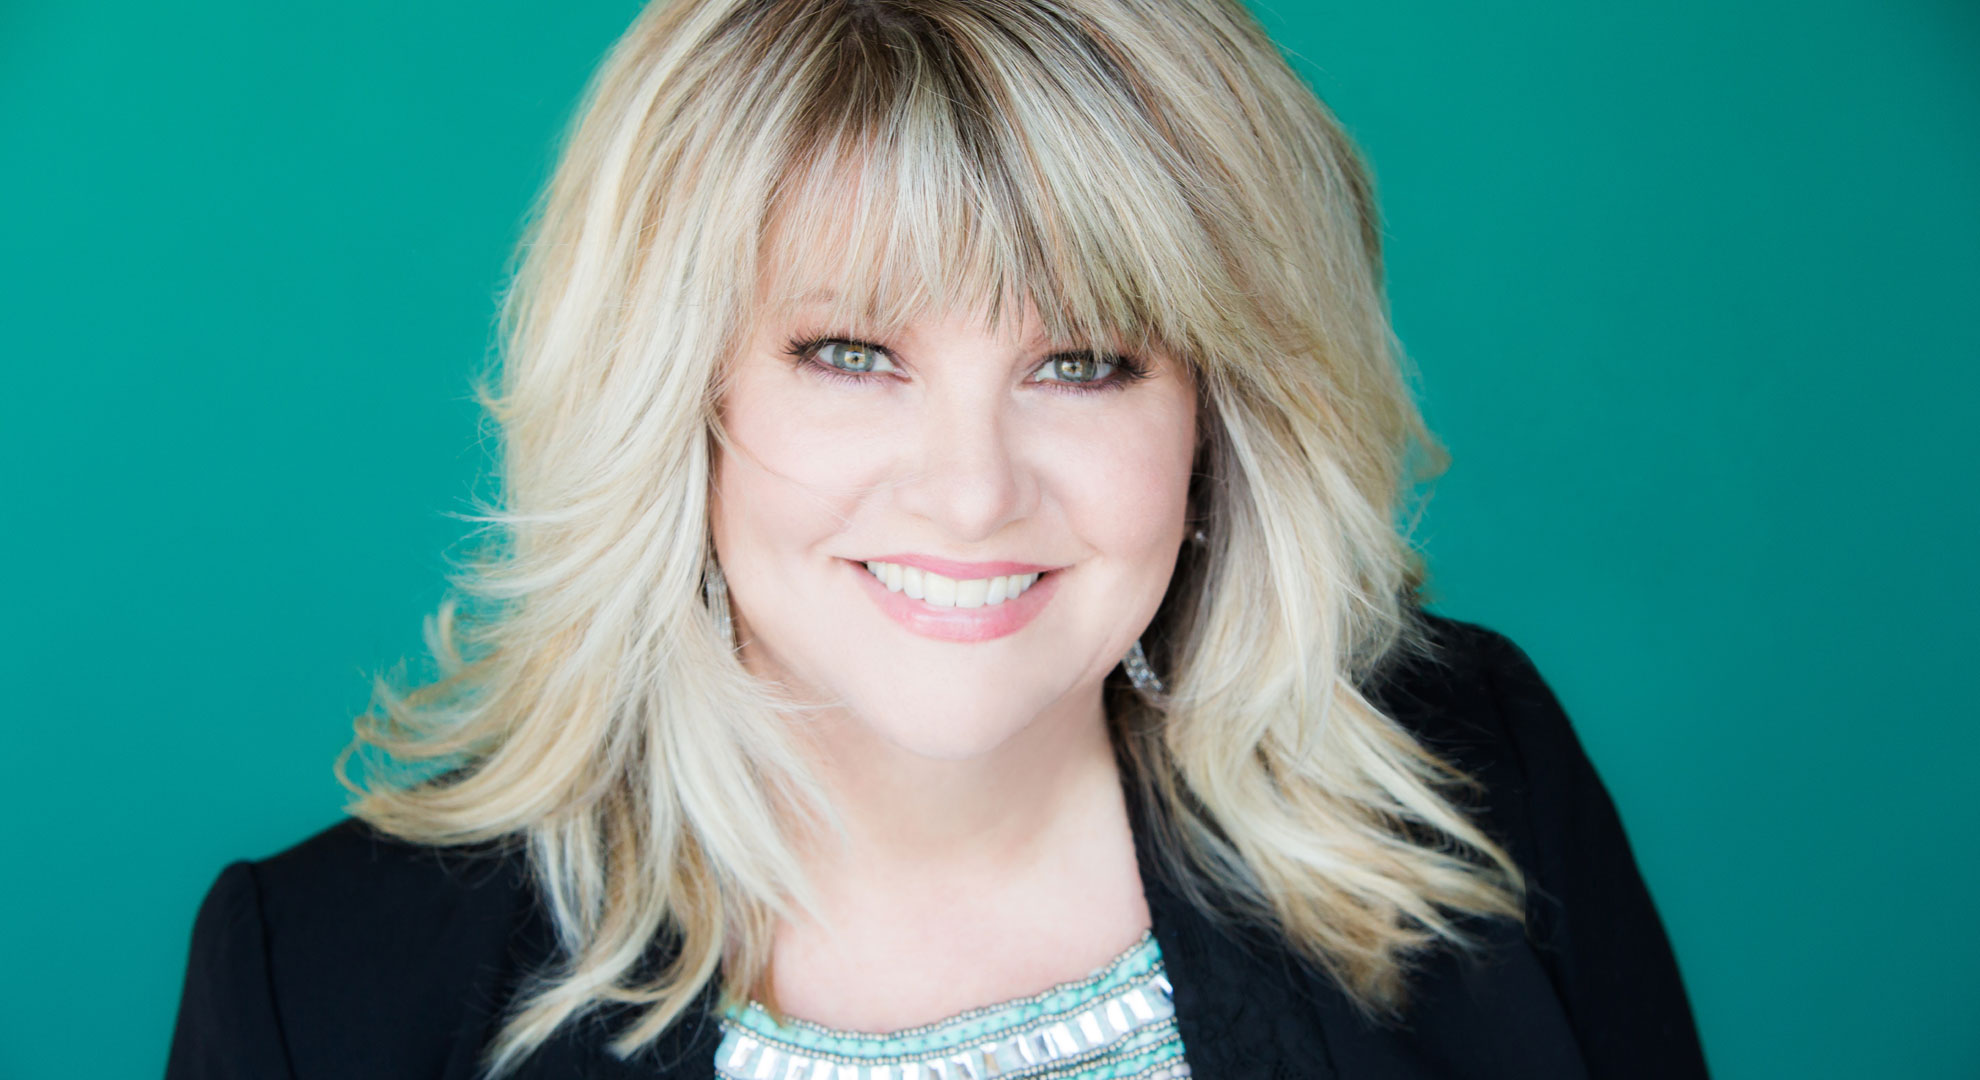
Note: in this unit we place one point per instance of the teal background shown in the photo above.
(1692, 291)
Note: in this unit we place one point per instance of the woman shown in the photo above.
(949, 619)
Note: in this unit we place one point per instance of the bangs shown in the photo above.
(984, 158)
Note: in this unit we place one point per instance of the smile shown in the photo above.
(942, 591)
(971, 603)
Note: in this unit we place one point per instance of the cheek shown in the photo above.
(1124, 481)
(792, 470)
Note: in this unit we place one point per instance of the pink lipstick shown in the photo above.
(986, 622)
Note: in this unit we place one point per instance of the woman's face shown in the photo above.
(1022, 500)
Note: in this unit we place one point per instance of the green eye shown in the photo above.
(846, 356)
(1074, 368)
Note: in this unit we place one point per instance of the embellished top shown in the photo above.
(1116, 1024)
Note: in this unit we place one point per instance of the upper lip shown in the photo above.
(961, 571)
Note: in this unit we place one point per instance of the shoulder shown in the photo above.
(1481, 704)
(356, 952)
(353, 885)
(1584, 985)
(1471, 692)
(1477, 700)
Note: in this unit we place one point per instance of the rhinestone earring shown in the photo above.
(1141, 675)
(715, 591)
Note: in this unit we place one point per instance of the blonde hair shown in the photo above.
(1148, 172)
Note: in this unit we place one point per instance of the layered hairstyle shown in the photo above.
(1139, 170)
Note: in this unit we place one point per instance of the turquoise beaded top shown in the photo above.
(1116, 1024)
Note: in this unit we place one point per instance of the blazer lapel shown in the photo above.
(1243, 1007)
(685, 1051)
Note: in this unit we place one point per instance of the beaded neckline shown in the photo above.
(1105, 973)
(1118, 1021)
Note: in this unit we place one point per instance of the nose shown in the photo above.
(965, 469)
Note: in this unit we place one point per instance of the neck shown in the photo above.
(990, 813)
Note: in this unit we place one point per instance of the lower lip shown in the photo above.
(984, 623)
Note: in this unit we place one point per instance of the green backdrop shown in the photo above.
(1692, 291)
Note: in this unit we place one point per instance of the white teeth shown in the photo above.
(941, 591)
(970, 594)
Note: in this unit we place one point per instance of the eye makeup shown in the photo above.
(1123, 369)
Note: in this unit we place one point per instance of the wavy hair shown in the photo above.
(1141, 170)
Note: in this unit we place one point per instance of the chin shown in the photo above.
(948, 730)
(935, 704)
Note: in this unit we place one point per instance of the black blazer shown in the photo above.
(356, 955)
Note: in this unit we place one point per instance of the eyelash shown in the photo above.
(1127, 369)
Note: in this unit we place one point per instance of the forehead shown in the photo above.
(835, 247)
(832, 254)
(822, 299)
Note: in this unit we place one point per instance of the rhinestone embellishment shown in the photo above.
(1140, 674)
(1116, 1024)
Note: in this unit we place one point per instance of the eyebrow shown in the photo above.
(824, 295)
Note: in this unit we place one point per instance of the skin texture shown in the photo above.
(986, 852)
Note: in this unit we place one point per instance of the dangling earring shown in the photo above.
(1142, 676)
(715, 590)
(1146, 682)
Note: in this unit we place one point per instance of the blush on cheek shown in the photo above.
(787, 425)
(1131, 486)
